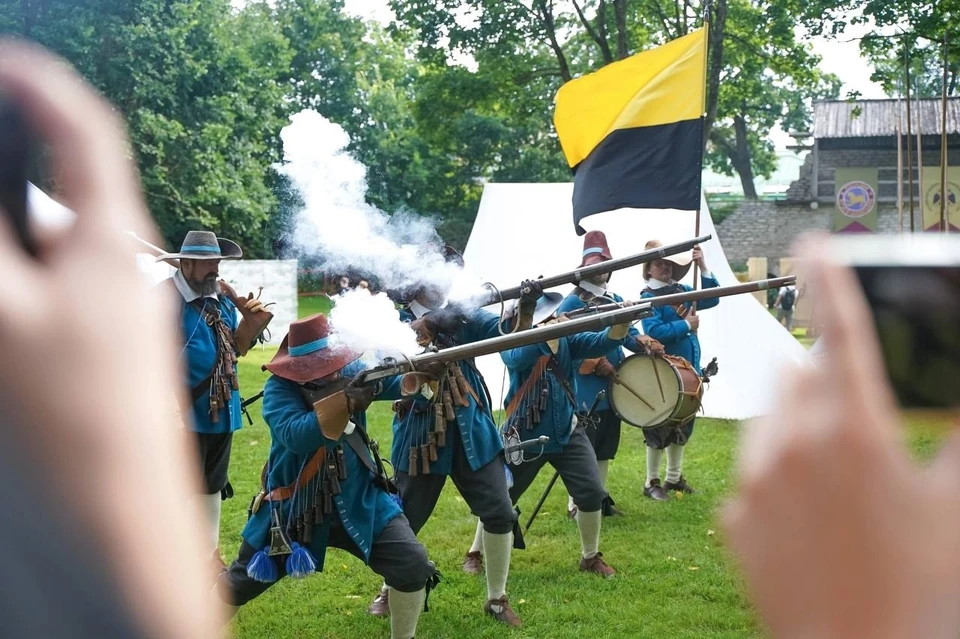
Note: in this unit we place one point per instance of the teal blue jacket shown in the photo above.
(588, 386)
(363, 509)
(667, 327)
(200, 352)
(478, 432)
(555, 420)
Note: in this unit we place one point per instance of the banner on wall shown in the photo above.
(855, 208)
(930, 194)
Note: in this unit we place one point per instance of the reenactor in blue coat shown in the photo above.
(324, 484)
(452, 434)
(213, 339)
(676, 328)
(593, 375)
(541, 401)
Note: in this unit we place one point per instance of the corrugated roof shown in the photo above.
(878, 118)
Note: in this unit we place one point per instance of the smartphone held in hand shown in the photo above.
(912, 284)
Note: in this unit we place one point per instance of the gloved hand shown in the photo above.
(604, 368)
(651, 346)
(359, 397)
(530, 292)
(619, 331)
(426, 329)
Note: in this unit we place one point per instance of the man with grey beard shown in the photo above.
(213, 340)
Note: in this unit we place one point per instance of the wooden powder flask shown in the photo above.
(448, 406)
(544, 397)
(425, 459)
(307, 533)
(461, 383)
(439, 422)
(413, 461)
(433, 447)
(455, 388)
(536, 414)
(341, 465)
(528, 418)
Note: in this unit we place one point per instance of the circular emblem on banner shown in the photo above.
(931, 199)
(856, 199)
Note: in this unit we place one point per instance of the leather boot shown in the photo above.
(473, 563)
(597, 565)
(655, 491)
(381, 604)
(680, 485)
(500, 610)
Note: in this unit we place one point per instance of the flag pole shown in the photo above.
(944, 221)
(900, 166)
(906, 67)
(703, 132)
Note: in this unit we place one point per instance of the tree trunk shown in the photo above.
(715, 66)
(546, 16)
(620, 8)
(741, 160)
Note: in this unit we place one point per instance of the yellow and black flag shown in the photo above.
(633, 131)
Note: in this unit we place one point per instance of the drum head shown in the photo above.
(638, 374)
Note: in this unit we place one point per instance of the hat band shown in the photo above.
(591, 251)
(309, 347)
(200, 249)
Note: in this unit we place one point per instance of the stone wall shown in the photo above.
(768, 229)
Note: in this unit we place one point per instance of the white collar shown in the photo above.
(185, 289)
(590, 287)
(654, 283)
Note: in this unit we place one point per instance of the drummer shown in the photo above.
(593, 375)
(676, 327)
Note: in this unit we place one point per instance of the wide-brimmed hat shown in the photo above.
(681, 262)
(305, 354)
(595, 243)
(205, 245)
(547, 307)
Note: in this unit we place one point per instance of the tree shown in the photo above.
(757, 78)
(198, 86)
(898, 30)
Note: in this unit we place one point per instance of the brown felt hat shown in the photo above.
(681, 262)
(305, 354)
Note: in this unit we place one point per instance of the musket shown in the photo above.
(692, 296)
(586, 272)
(595, 321)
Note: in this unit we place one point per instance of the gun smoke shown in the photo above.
(337, 227)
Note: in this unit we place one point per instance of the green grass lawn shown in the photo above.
(675, 577)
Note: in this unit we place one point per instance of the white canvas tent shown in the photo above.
(526, 231)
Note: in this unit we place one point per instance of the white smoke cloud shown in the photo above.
(371, 324)
(338, 227)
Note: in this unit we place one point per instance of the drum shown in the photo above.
(649, 392)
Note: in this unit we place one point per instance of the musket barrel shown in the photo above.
(578, 275)
(691, 296)
(590, 323)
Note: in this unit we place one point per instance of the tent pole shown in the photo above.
(906, 67)
(944, 222)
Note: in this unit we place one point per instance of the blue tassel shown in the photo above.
(397, 499)
(261, 567)
(509, 476)
(300, 563)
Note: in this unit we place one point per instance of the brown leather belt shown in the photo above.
(309, 472)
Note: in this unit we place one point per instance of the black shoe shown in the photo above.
(609, 508)
(655, 491)
(681, 485)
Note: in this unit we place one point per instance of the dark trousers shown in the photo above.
(605, 435)
(578, 469)
(214, 460)
(396, 555)
(484, 490)
(665, 435)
